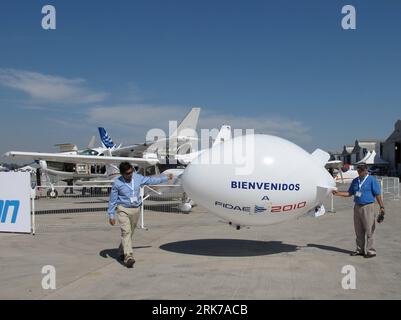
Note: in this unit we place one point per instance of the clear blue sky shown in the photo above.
(281, 67)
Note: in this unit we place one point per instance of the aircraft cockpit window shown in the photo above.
(89, 152)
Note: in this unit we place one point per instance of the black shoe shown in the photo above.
(370, 255)
(357, 253)
(130, 262)
(121, 257)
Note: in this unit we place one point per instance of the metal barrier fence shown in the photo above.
(52, 200)
(160, 198)
(390, 187)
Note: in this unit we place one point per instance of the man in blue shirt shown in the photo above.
(125, 201)
(365, 190)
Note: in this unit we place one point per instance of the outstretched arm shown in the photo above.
(156, 180)
(342, 193)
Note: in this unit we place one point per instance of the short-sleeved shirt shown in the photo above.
(370, 189)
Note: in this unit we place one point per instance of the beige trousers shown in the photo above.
(365, 224)
(127, 218)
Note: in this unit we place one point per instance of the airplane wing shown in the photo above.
(94, 183)
(130, 151)
(334, 164)
(78, 158)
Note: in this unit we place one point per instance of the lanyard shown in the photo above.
(361, 183)
(131, 186)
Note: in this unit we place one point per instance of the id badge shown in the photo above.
(358, 194)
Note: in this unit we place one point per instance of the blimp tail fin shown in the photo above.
(324, 191)
(321, 156)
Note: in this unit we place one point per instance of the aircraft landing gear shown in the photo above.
(52, 193)
(185, 206)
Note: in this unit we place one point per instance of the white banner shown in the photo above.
(15, 206)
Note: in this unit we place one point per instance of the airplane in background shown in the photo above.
(346, 175)
(340, 172)
(169, 151)
(87, 168)
(77, 173)
(68, 171)
(81, 159)
(181, 141)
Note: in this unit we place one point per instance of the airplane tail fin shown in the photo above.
(112, 171)
(91, 143)
(224, 135)
(105, 138)
(323, 192)
(188, 126)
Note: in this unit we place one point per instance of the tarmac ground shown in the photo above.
(199, 256)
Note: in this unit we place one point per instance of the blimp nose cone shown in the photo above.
(255, 180)
(195, 181)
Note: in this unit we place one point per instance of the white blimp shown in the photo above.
(258, 180)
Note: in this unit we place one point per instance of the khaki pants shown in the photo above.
(365, 224)
(127, 218)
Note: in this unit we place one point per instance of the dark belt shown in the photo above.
(130, 207)
(365, 204)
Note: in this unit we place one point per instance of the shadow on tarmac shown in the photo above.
(328, 248)
(113, 253)
(228, 247)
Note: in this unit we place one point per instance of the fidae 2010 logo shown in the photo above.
(5, 206)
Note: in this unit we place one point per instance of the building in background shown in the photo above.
(392, 150)
(345, 156)
(353, 154)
